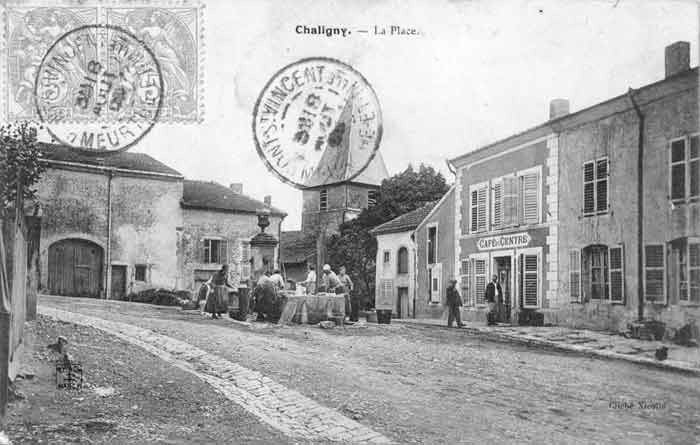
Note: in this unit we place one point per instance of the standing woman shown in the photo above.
(217, 301)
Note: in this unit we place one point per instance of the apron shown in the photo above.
(217, 301)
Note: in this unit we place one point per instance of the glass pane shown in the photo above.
(678, 151)
(694, 254)
(694, 147)
(678, 181)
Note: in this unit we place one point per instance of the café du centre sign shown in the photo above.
(512, 240)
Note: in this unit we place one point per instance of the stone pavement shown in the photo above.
(285, 410)
(602, 344)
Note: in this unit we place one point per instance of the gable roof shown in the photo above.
(374, 174)
(446, 199)
(404, 223)
(297, 247)
(214, 196)
(57, 155)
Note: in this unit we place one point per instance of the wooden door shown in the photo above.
(402, 307)
(75, 268)
(118, 291)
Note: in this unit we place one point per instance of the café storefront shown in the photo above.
(516, 260)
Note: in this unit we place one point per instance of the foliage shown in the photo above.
(19, 152)
(356, 248)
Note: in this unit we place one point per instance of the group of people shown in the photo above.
(265, 291)
(493, 294)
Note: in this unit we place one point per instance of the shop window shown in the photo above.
(685, 169)
(140, 272)
(595, 186)
(479, 207)
(654, 271)
(684, 270)
(323, 200)
(402, 260)
(432, 245)
(214, 251)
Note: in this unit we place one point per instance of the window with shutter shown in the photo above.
(435, 283)
(617, 275)
(212, 251)
(473, 210)
(588, 188)
(654, 272)
(482, 209)
(694, 272)
(223, 252)
(465, 282)
(678, 160)
(497, 202)
(601, 185)
(575, 275)
(510, 201)
(529, 196)
(479, 281)
(530, 281)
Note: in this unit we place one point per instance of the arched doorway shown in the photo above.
(75, 268)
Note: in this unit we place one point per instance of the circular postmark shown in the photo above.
(98, 89)
(317, 121)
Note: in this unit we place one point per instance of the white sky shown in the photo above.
(480, 71)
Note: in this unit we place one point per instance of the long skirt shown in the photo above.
(217, 301)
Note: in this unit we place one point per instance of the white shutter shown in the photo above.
(575, 275)
(588, 188)
(482, 208)
(223, 252)
(530, 281)
(436, 283)
(474, 210)
(617, 274)
(530, 209)
(510, 201)
(602, 174)
(654, 273)
(465, 281)
(497, 203)
(479, 281)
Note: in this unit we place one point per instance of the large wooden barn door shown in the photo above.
(75, 268)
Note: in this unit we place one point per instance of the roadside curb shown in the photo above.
(668, 365)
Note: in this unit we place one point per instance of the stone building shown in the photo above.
(396, 262)
(326, 205)
(593, 217)
(126, 222)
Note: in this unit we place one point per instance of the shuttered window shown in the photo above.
(479, 208)
(685, 169)
(465, 281)
(529, 185)
(479, 281)
(530, 286)
(617, 276)
(595, 186)
(323, 200)
(575, 275)
(435, 283)
(387, 287)
(689, 273)
(654, 271)
(510, 201)
(402, 261)
(497, 200)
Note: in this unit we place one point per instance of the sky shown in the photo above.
(477, 72)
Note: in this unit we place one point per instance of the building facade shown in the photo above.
(124, 223)
(591, 218)
(435, 246)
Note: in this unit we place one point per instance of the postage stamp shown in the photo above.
(317, 121)
(173, 31)
(98, 89)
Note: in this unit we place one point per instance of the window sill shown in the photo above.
(602, 213)
(679, 202)
(688, 304)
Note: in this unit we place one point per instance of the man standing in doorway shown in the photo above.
(492, 295)
(454, 302)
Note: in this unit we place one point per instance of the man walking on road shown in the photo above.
(492, 295)
(454, 302)
(345, 287)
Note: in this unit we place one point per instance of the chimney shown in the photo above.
(268, 200)
(558, 108)
(677, 58)
(236, 187)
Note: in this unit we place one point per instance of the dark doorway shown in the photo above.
(75, 268)
(402, 304)
(118, 291)
(503, 266)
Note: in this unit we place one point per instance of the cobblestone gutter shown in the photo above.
(283, 409)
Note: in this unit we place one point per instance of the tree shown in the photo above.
(356, 248)
(19, 162)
